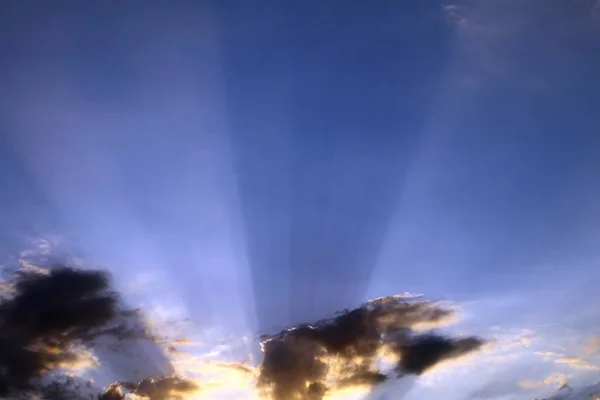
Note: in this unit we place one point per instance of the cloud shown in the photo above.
(346, 350)
(592, 346)
(50, 317)
(577, 363)
(63, 387)
(556, 378)
(455, 14)
(218, 380)
(521, 44)
(595, 11)
(423, 352)
(112, 392)
(53, 320)
(571, 361)
(168, 387)
(591, 392)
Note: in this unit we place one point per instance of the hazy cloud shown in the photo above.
(455, 14)
(523, 43)
(554, 379)
(592, 345)
(577, 363)
(571, 361)
(591, 392)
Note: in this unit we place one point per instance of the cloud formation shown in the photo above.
(347, 350)
(49, 317)
(53, 319)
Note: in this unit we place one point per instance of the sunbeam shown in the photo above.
(226, 200)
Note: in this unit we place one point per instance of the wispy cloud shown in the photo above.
(568, 360)
(556, 379)
(455, 14)
(507, 41)
(577, 363)
(591, 392)
(592, 346)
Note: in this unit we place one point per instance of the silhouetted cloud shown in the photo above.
(112, 392)
(169, 387)
(47, 319)
(159, 388)
(345, 350)
(423, 352)
(53, 319)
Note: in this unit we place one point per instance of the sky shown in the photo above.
(249, 166)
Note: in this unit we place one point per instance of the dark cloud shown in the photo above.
(50, 319)
(47, 316)
(423, 352)
(68, 388)
(345, 350)
(316, 391)
(112, 392)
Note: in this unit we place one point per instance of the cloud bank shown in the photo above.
(54, 319)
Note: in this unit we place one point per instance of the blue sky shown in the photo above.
(253, 165)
